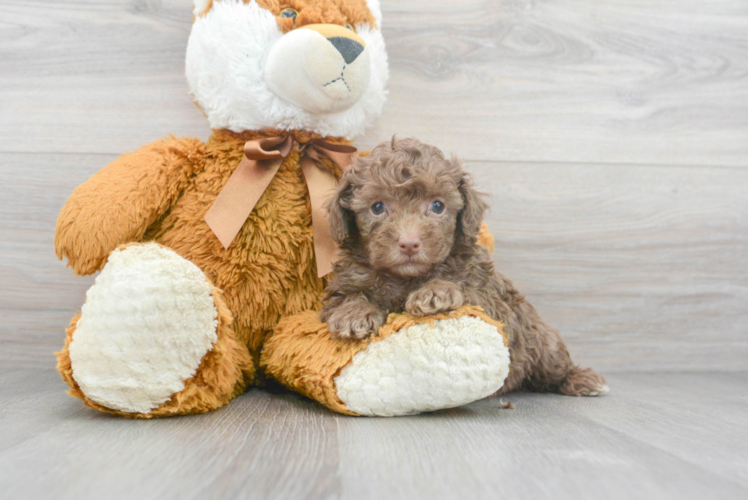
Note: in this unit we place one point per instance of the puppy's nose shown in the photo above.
(409, 245)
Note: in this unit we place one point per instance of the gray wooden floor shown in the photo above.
(612, 138)
(677, 436)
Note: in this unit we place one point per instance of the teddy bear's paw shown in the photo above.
(148, 321)
(426, 367)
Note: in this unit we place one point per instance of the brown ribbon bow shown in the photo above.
(262, 159)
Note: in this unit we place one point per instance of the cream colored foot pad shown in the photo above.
(424, 368)
(147, 323)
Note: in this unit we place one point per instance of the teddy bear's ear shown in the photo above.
(201, 6)
(342, 219)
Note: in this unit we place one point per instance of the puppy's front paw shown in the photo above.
(355, 320)
(434, 297)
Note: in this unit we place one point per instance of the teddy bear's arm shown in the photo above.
(118, 203)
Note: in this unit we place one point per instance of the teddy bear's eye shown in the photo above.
(349, 27)
(378, 208)
(289, 13)
(437, 207)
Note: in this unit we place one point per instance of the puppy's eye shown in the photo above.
(437, 207)
(349, 27)
(378, 208)
(289, 13)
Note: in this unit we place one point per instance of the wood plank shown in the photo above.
(648, 438)
(630, 82)
(290, 451)
(39, 295)
(641, 268)
(549, 446)
(680, 414)
(94, 77)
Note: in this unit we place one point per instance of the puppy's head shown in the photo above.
(405, 208)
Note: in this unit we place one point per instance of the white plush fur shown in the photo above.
(200, 6)
(226, 57)
(425, 368)
(147, 322)
(376, 11)
(305, 69)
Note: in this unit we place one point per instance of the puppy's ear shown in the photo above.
(342, 219)
(470, 217)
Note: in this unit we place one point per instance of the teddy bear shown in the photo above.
(213, 256)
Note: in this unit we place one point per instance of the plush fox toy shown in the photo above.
(213, 255)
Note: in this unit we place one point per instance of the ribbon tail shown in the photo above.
(321, 184)
(239, 196)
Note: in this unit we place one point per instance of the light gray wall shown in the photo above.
(611, 136)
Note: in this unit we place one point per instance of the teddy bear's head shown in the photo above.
(316, 65)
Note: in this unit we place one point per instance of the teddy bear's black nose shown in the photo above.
(349, 49)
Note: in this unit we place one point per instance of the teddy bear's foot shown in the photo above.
(411, 365)
(154, 338)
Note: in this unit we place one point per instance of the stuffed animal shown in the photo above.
(213, 256)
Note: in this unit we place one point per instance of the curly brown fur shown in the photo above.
(411, 258)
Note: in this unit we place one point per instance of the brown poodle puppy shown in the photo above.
(406, 219)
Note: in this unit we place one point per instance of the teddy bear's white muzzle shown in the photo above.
(318, 68)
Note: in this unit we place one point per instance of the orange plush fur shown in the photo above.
(222, 375)
(161, 193)
(303, 355)
(315, 12)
